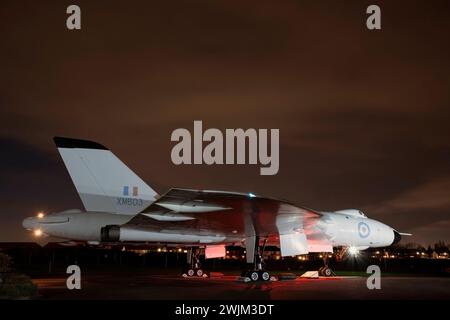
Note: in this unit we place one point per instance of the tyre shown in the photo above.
(254, 276)
(265, 276)
(199, 272)
(327, 272)
(190, 272)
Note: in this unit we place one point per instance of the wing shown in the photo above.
(231, 218)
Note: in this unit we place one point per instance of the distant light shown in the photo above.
(40, 215)
(159, 249)
(251, 195)
(179, 250)
(185, 251)
(353, 250)
(38, 232)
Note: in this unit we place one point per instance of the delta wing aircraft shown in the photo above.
(121, 208)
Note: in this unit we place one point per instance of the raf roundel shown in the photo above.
(363, 230)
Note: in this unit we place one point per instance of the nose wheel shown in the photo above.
(326, 272)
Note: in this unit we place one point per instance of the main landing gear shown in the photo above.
(258, 272)
(194, 268)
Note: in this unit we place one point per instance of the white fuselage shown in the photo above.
(340, 229)
(346, 230)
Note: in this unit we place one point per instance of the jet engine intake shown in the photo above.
(110, 233)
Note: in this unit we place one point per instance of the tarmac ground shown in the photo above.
(154, 286)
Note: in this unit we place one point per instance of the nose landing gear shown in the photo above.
(326, 271)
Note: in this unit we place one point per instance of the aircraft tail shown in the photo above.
(104, 183)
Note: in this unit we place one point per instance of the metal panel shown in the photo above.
(293, 244)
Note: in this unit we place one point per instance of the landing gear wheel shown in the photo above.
(257, 272)
(254, 276)
(327, 272)
(193, 268)
(265, 276)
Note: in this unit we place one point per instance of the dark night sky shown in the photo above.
(363, 116)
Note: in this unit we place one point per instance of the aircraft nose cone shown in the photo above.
(29, 223)
(397, 237)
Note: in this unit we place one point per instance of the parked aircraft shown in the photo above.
(121, 207)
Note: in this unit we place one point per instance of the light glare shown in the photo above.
(353, 250)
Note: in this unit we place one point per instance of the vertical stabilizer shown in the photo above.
(102, 180)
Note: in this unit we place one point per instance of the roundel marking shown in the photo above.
(363, 230)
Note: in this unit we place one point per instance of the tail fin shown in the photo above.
(103, 182)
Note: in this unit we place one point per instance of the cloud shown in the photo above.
(422, 210)
(430, 195)
(431, 232)
(362, 116)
